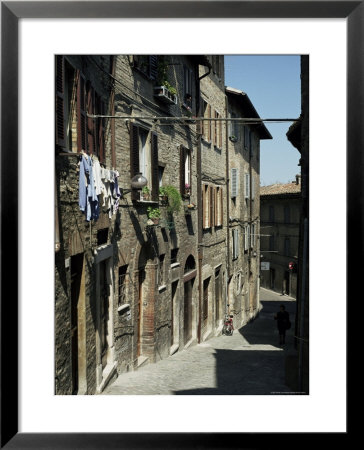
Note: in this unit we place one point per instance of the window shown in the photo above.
(218, 206)
(205, 206)
(206, 125)
(187, 87)
(185, 171)
(217, 134)
(233, 126)
(161, 270)
(247, 185)
(271, 242)
(247, 138)
(160, 175)
(102, 236)
(287, 247)
(235, 243)
(246, 237)
(271, 213)
(66, 90)
(252, 188)
(212, 206)
(144, 159)
(147, 65)
(174, 255)
(122, 285)
(287, 214)
(234, 183)
(74, 99)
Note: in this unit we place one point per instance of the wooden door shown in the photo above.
(218, 296)
(139, 310)
(205, 305)
(188, 311)
(76, 276)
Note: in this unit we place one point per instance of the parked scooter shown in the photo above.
(228, 327)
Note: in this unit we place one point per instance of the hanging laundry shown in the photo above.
(97, 177)
(83, 182)
(88, 201)
(116, 192)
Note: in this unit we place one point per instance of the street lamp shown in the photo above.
(137, 183)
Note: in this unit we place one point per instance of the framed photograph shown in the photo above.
(32, 416)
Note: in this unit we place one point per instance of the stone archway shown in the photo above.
(189, 276)
(145, 282)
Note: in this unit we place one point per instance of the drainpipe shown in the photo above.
(199, 200)
(227, 206)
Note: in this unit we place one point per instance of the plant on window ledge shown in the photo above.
(174, 198)
(164, 90)
(145, 193)
(153, 215)
(187, 192)
(163, 197)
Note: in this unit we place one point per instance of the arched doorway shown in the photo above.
(145, 303)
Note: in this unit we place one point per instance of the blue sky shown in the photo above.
(273, 85)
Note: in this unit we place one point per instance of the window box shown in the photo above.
(164, 95)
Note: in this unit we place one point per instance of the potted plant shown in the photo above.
(166, 92)
(174, 199)
(153, 215)
(163, 196)
(233, 138)
(145, 193)
(187, 192)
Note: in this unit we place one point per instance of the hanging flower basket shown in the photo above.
(164, 95)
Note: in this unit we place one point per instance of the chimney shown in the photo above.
(298, 179)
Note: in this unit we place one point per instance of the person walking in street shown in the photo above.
(283, 323)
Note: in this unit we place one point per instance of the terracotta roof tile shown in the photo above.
(279, 189)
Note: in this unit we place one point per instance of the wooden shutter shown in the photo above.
(155, 170)
(247, 185)
(153, 67)
(60, 99)
(236, 243)
(81, 114)
(90, 121)
(214, 138)
(134, 156)
(205, 205)
(211, 200)
(209, 123)
(216, 207)
(219, 127)
(234, 182)
(182, 179)
(221, 207)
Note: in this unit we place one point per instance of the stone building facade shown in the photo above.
(244, 207)
(129, 291)
(281, 206)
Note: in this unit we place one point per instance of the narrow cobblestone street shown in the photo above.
(250, 362)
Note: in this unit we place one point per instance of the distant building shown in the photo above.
(281, 206)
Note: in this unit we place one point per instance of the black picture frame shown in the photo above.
(11, 12)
